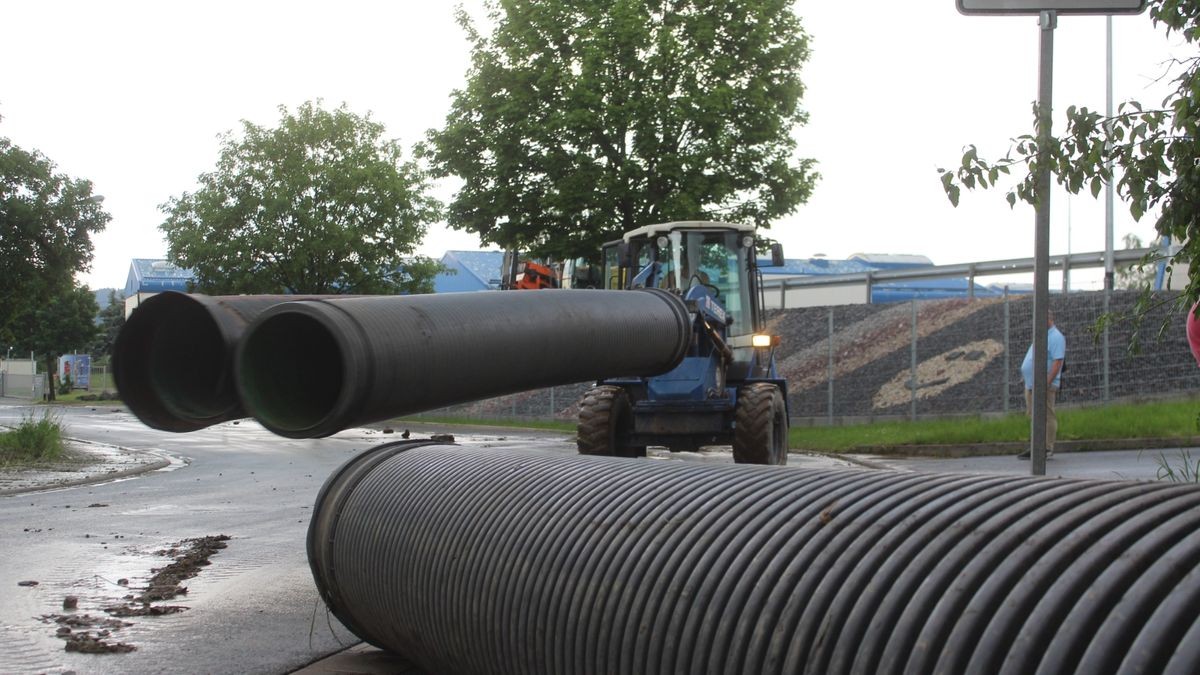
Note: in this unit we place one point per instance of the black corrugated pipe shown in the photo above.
(472, 560)
(173, 359)
(309, 369)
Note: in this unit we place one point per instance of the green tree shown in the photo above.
(1135, 276)
(109, 320)
(46, 223)
(322, 203)
(580, 120)
(63, 323)
(1154, 152)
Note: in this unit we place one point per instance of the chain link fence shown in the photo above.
(22, 385)
(33, 387)
(963, 357)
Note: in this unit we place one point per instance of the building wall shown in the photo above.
(815, 296)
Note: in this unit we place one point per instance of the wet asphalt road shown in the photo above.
(251, 611)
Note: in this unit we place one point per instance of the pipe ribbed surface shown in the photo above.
(468, 560)
(310, 369)
(173, 359)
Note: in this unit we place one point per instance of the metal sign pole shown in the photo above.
(1108, 196)
(1041, 265)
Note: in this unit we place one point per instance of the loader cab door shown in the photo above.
(623, 260)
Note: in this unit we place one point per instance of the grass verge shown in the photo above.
(1163, 419)
(33, 440)
(1158, 419)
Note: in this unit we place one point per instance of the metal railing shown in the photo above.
(779, 287)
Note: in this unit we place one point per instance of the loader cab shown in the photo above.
(716, 257)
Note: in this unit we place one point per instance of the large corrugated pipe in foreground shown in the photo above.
(470, 560)
(173, 359)
(310, 369)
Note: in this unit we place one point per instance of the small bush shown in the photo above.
(33, 439)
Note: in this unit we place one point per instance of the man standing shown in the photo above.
(1056, 352)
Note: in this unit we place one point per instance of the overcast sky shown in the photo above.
(132, 96)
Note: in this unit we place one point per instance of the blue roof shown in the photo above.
(928, 289)
(150, 275)
(472, 271)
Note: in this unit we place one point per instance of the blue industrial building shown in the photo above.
(148, 276)
(884, 291)
(469, 271)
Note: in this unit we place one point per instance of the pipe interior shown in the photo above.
(290, 372)
(188, 363)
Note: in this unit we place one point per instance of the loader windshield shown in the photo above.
(713, 259)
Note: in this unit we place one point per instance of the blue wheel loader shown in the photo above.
(727, 390)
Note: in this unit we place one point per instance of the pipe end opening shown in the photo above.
(290, 373)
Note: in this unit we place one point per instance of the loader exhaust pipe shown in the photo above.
(481, 560)
(173, 359)
(313, 368)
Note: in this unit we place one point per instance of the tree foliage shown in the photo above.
(1154, 152)
(110, 320)
(63, 322)
(580, 120)
(46, 223)
(322, 203)
(1134, 276)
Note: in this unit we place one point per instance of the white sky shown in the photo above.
(132, 96)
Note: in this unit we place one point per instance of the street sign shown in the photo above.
(1060, 6)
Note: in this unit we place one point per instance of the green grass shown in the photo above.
(33, 440)
(1167, 419)
(1180, 468)
(1161, 419)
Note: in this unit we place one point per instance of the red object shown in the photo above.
(534, 276)
(1193, 333)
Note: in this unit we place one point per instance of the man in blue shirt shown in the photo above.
(1056, 352)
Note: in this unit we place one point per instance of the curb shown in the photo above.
(95, 479)
(1014, 447)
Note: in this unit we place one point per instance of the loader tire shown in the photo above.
(760, 434)
(605, 414)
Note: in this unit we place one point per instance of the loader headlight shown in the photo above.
(762, 340)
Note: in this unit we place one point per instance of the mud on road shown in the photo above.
(89, 634)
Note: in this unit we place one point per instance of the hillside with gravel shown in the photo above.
(967, 359)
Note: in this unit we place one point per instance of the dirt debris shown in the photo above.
(87, 634)
(125, 611)
(190, 555)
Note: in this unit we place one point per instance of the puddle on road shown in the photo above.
(111, 612)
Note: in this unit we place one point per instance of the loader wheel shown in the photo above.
(604, 415)
(760, 434)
